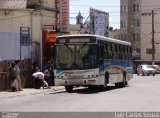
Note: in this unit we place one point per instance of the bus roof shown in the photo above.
(98, 36)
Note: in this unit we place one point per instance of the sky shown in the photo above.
(110, 6)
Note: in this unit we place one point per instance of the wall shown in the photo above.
(146, 29)
(36, 20)
(10, 22)
(25, 67)
(124, 17)
(10, 47)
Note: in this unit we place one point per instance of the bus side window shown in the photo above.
(113, 51)
(105, 51)
(108, 51)
(118, 51)
(125, 53)
(124, 50)
(101, 50)
(121, 53)
(129, 53)
(101, 53)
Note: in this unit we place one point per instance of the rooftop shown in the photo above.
(13, 4)
(26, 4)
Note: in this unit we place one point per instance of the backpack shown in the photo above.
(11, 73)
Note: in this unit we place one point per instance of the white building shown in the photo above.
(136, 27)
(146, 30)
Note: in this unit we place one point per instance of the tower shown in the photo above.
(79, 19)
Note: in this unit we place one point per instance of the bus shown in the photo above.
(92, 61)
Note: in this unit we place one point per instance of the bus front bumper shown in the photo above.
(79, 82)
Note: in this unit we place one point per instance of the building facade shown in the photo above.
(130, 25)
(150, 29)
(137, 27)
(35, 22)
(80, 27)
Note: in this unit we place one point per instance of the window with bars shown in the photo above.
(24, 36)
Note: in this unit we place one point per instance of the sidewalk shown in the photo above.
(29, 91)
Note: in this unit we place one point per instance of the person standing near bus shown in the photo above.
(17, 62)
(50, 69)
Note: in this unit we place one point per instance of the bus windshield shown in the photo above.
(77, 56)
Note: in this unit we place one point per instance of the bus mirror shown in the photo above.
(53, 50)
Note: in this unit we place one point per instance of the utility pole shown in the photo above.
(153, 45)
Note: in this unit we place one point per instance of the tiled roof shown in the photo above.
(13, 4)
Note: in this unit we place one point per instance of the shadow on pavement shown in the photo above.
(95, 90)
(86, 90)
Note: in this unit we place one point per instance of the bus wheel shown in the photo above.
(106, 80)
(69, 88)
(124, 80)
(143, 74)
(123, 83)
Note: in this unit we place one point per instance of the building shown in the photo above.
(136, 27)
(89, 27)
(147, 31)
(130, 24)
(115, 33)
(80, 27)
(27, 31)
(76, 28)
(79, 19)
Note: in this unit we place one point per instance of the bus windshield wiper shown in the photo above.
(68, 48)
(84, 45)
(82, 48)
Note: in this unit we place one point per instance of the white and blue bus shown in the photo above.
(91, 60)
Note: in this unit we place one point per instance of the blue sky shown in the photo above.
(110, 6)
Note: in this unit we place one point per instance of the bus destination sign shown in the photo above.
(75, 40)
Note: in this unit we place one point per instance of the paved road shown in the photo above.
(142, 94)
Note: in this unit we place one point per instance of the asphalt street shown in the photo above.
(141, 95)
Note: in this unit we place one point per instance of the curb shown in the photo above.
(26, 91)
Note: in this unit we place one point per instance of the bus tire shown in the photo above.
(124, 80)
(92, 87)
(106, 79)
(143, 74)
(69, 88)
(123, 83)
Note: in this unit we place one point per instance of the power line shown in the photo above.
(106, 6)
(13, 17)
(136, 13)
